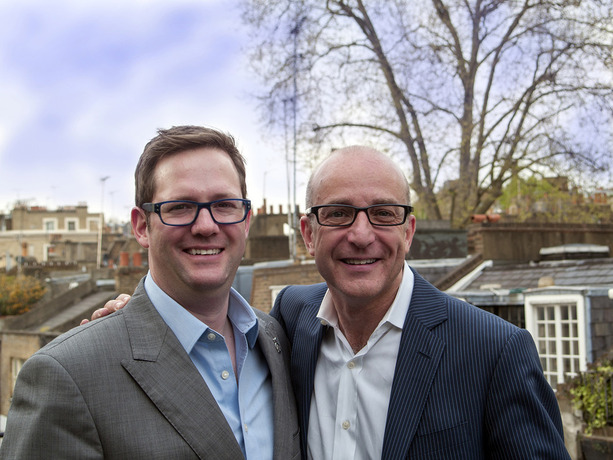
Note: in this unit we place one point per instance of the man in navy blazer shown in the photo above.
(383, 364)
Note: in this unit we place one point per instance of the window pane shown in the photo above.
(566, 347)
(567, 365)
(542, 347)
(565, 330)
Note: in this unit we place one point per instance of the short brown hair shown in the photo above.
(178, 139)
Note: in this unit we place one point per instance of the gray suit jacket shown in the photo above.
(122, 387)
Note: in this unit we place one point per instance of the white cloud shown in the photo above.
(85, 84)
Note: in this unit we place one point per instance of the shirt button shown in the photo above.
(350, 364)
(324, 322)
(225, 375)
(246, 428)
(211, 336)
(346, 425)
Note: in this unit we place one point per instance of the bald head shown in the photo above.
(356, 162)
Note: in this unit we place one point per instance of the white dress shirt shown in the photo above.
(352, 391)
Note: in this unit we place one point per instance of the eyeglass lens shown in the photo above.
(184, 212)
(378, 215)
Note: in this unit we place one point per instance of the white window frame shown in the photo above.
(274, 292)
(16, 365)
(533, 303)
(46, 247)
(52, 221)
(90, 221)
(73, 220)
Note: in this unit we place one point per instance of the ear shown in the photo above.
(307, 234)
(408, 236)
(248, 223)
(139, 226)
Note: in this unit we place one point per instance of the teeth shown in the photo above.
(360, 261)
(203, 252)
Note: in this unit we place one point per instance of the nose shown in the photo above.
(361, 231)
(204, 223)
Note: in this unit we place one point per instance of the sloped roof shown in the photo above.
(570, 273)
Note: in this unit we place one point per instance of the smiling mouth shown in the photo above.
(359, 261)
(203, 252)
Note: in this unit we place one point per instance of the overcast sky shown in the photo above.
(84, 84)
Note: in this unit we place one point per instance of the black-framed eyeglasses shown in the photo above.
(178, 213)
(343, 215)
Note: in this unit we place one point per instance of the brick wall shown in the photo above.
(264, 278)
(127, 278)
(262, 248)
(16, 345)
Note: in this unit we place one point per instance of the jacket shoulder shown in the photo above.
(108, 334)
(302, 294)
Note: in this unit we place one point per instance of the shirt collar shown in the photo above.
(188, 328)
(395, 315)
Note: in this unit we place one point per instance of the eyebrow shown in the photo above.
(374, 202)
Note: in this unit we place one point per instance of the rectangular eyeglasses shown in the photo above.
(343, 215)
(178, 213)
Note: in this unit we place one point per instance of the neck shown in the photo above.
(223, 326)
(358, 323)
(209, 307)
(212, 312)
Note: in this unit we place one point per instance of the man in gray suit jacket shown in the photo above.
(187, 369)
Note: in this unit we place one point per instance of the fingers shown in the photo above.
(115, 304)
(111, 306)
(101, 312)
(97, 314)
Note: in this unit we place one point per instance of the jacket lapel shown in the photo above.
(164, 371)
(270, 345)
(419, 357)
(305, 350)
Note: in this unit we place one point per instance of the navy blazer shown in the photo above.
(467, 384)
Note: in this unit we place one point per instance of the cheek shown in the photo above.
(237, 234)
(323, 244)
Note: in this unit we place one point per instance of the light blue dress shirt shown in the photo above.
(248, 406)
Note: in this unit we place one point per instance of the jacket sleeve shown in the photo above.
(522, 417)
(48, 417)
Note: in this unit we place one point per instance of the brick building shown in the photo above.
(35, 234)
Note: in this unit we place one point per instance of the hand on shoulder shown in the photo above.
(110, 307)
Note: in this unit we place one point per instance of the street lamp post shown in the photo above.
(99, 257)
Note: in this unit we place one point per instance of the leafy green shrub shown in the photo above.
(18, 294)
(592, 394)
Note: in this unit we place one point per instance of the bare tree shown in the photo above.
(470, 92)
